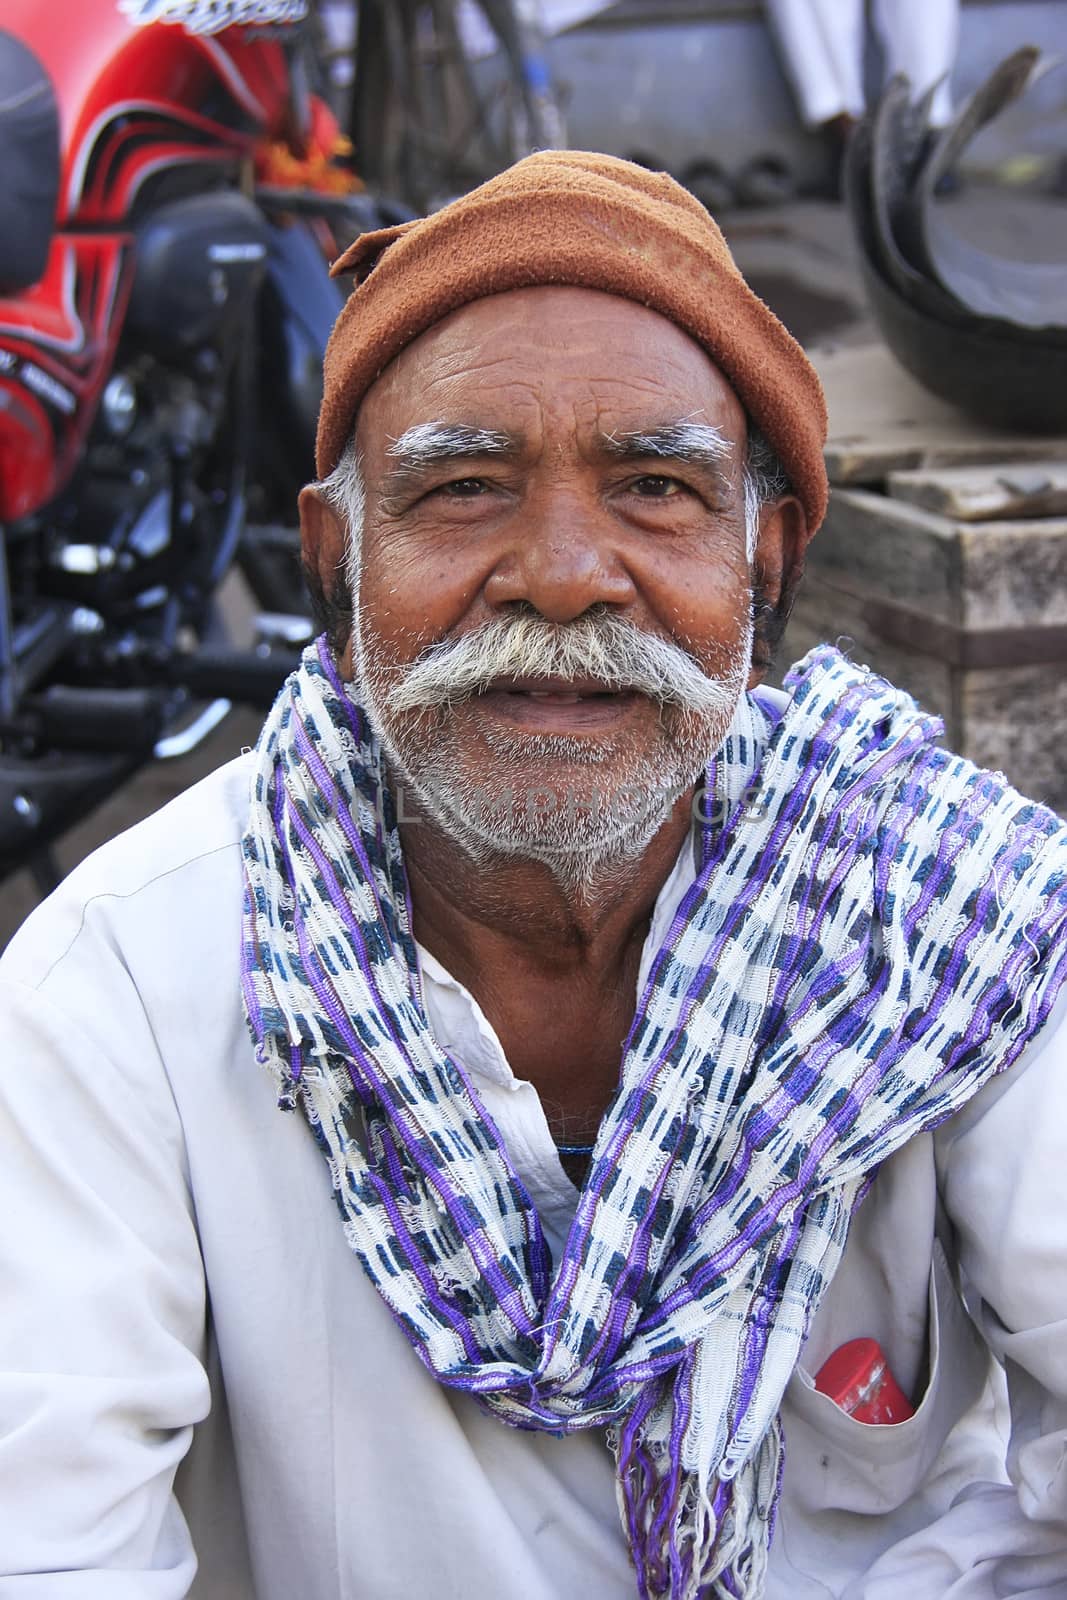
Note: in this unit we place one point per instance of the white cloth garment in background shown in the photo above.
(822, 43)
(170, 1248)
(552, 16)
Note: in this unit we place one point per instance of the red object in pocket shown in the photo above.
(857, 1378)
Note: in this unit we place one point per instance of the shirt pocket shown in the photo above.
(838, 1464)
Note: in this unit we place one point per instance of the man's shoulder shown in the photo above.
(161, 885)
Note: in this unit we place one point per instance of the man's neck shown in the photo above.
(491, 914)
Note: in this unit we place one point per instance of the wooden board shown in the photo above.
(826, 614)
(954, 576)
(1012, 720)
(970, 617)
(952, 584)
(1021, 489)
(882, 421)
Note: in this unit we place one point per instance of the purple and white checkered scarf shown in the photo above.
(875, 931)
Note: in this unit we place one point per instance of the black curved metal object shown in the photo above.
(298, 308)
(41, 798)
(1006, 382)
(1032, 294)
(945, 146)
(1006, 370)
(898, 140)
(1009, 79)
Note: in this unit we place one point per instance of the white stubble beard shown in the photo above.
(593, 836)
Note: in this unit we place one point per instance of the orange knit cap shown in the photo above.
(594, 222)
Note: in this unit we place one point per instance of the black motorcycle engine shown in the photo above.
(157, 506)
(200, 264)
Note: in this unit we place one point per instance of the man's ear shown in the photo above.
(323, 539)
(777, 568)
(323, 549)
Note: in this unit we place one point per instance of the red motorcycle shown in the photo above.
(171, 194)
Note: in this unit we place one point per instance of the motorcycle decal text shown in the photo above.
(56, 396)
(211, 16)
(46, 387)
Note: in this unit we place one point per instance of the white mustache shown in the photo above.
(607, 648)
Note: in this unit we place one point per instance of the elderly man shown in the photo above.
(659, 1035)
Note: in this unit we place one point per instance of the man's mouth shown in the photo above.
(557, 691)
(557, 704)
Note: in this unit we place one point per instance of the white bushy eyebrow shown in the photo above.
(429, 443)
(688, 444)
(696, 443)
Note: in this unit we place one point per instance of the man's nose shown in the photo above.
(562, 562)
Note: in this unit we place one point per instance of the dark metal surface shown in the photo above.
(253, 679)
(41, 798)
(1010, 373)
(883, 159)
(1007, 382)
(1030, 293)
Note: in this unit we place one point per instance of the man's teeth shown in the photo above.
(564, 697)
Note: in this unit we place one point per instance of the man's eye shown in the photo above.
(465, 488)
(654, 487)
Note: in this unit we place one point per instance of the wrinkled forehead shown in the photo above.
(550, 358)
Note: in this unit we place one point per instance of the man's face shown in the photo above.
(542, 459)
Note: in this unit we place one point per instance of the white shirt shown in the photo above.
(461, 1027)
(178, 1297)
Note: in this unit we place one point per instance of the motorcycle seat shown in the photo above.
(29, 139)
